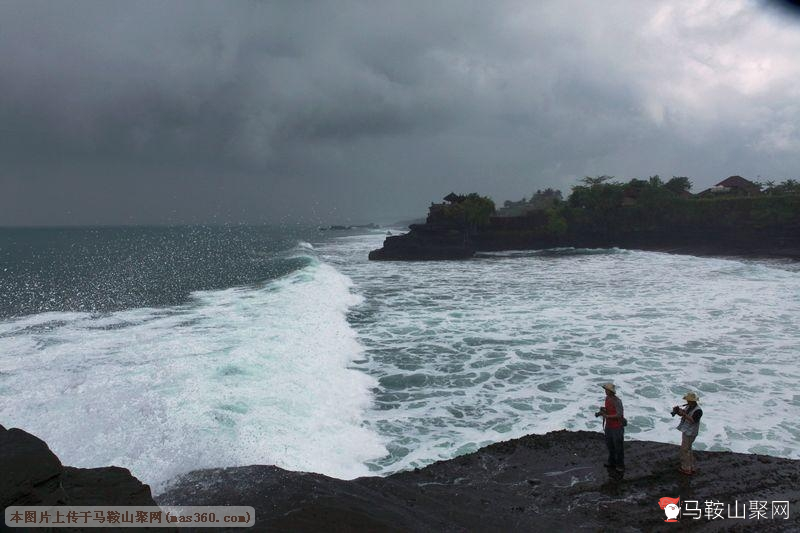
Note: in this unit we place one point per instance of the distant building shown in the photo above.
(540, 200)
(454, 198)
(436, 212)
(733, 186)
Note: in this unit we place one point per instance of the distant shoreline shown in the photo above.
(754, 226)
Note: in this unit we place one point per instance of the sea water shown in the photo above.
(467, 353)
(167, 350)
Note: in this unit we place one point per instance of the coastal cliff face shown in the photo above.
(425, 243)
(422, 244)
(760, 226)
(552, 482)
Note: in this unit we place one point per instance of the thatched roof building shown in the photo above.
(454, 198)
(734, 185)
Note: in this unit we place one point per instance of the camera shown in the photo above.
(601, 412)
(676, 411)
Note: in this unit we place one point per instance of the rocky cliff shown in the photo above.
(761, 226)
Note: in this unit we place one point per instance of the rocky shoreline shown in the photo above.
(552, 482)
(425, 242)
(750, 226)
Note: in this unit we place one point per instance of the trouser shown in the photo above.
(614, 439)
(687, 458)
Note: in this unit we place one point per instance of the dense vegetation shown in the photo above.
(738, 217)
(775, 189)
(601, 209)
(604, 211)
(471, 211)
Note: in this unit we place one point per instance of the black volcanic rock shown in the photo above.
(424, 243)
(552, 482)
(109, 485)
(31, 474)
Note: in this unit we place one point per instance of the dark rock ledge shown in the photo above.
(31, 474)
(552, 482)
(423, 243)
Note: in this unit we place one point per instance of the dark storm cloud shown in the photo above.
(139, 112)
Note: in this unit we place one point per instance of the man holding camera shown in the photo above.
(612, 414)
(690, 424)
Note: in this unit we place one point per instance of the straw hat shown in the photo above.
(691, 397)
(609, 387)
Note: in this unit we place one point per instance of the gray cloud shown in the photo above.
(146, 112)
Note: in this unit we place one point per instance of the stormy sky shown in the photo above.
(119, 112)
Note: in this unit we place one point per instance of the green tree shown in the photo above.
(599, 197)
(477, 209)
(788, 187)
(590, 181)
(556, 223)
(599, 200)
(470, 212)
(678, 184)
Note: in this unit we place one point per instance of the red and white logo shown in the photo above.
(672, 508)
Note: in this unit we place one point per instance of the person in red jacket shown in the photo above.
(613, 415)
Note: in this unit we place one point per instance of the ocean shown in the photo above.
(165, 350)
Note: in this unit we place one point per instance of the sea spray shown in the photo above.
(248, 375)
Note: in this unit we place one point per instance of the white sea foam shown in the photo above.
(254, 375)
(473, 352)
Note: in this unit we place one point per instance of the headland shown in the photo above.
(743, 219)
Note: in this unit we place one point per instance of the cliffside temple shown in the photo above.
(734, 217)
